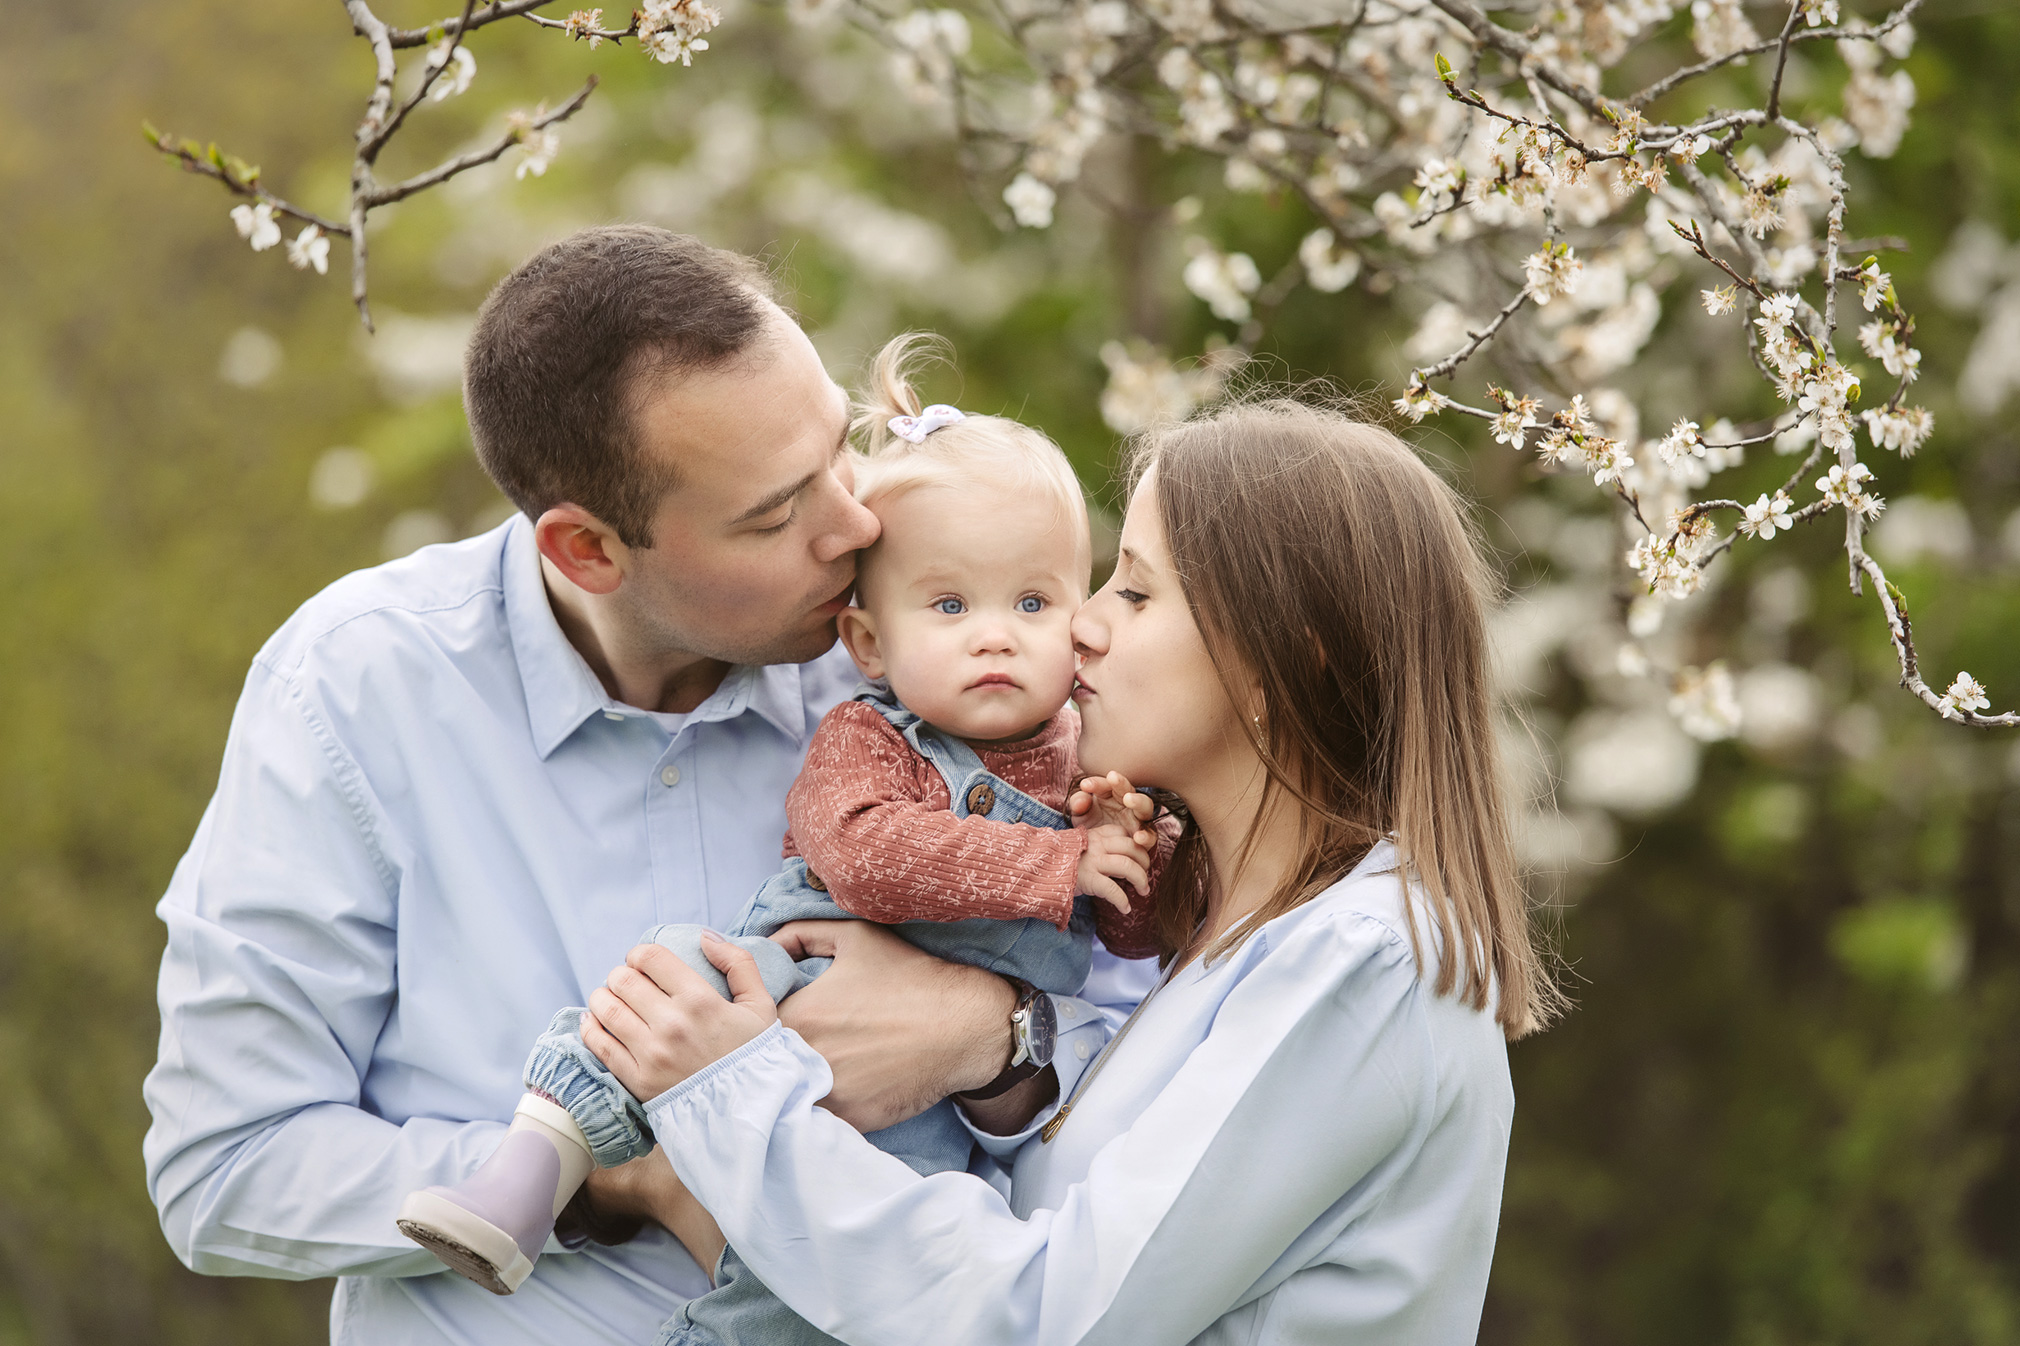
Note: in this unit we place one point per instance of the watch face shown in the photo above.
(1041, 1028)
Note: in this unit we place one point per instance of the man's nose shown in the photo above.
(854, 528)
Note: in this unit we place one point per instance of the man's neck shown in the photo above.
(661, 680)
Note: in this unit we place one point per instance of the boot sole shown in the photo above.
(466, 1243)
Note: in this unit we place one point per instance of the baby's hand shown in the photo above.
(1112, 854)
(1112, 801)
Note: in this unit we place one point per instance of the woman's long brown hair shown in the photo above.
(1327, 565)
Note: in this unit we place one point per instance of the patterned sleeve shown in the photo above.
(870, 817)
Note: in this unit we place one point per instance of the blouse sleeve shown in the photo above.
(859, 816)
(1313, 1090)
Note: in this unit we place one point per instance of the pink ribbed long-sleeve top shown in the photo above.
(874, 821)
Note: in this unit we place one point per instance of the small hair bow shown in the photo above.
(914, 429)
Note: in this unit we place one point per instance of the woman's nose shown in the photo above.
(1090, 633)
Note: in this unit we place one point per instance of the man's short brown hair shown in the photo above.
(565, 344)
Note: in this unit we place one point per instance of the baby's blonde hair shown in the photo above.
(984, 447)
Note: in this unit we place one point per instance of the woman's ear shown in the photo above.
(858, 630)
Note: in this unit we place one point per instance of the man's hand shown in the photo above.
(900, 1029)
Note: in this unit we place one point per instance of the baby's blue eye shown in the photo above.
(1031, 603)
(953, 607)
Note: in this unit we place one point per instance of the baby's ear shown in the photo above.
(858, 630)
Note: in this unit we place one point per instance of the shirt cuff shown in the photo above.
(774, 1032)
(1083, 1032)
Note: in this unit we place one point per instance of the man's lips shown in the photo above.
(839, 601)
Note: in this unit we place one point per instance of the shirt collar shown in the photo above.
(562, 691)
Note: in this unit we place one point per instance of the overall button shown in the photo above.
(669, 774)
(981, 799)
(816, 882)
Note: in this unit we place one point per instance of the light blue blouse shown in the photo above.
(1299, 1143)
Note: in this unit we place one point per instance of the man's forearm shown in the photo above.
(311, 1196)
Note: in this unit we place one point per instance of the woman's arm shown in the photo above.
(1291, 1120)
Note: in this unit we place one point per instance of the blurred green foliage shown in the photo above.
(1787, 1109)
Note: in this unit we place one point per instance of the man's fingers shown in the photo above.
(811, 939)
(740, 970)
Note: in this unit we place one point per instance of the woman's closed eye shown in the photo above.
(1132, 597)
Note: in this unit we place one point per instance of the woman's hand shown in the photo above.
(655, 1022)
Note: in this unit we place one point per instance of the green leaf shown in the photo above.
(1444, 68)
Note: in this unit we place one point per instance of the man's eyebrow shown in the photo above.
(774, 500)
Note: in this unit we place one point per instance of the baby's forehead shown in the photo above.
(978, 531)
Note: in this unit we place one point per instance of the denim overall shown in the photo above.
(740, 1311)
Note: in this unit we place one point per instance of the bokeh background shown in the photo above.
(1787, 1107)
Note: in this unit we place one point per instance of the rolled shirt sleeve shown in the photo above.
(1313, 1090)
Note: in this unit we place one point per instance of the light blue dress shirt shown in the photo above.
(433, 828)
(1298, 1144)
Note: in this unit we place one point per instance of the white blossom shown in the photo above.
(1720, 27)
(1440, 177)
(256, 225)
(310, 249)
(1873, 284)
(1145, 388)
(1551, 271)
(1223, 280)
(1682, 441)
(1902, 430)
(1882, 341)
(537, 148)
(1329, 268)
(1720, 301)
(1966, 693)
(671, 30)
(1418, 401)
(1847, 486)
(585, 25)
(462, 69)
(1705, 702)
(1765, 517)
(1877, 109)
(1517, 418)
(1031, 201)
(1819, 12)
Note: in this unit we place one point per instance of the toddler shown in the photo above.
(935, 801)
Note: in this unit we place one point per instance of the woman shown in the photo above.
(1301, 1136)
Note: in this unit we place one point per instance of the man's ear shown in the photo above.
(583, 548)
(858, 630)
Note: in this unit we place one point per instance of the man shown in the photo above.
(458, 786)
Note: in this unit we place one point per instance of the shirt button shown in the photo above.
(612, 715)
(1080, 1050)
(1069, 1009)
(670, 774)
